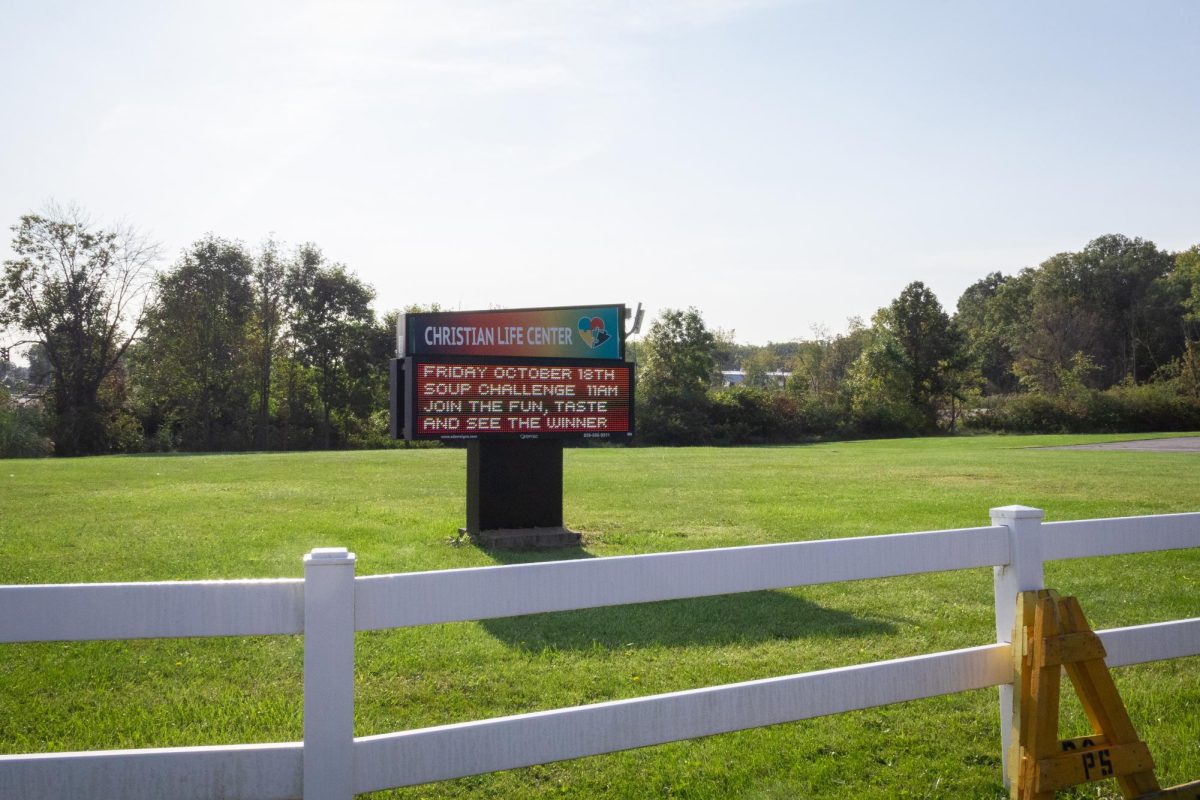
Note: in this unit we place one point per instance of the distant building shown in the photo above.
(735, 377)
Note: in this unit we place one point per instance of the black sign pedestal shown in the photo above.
(514, 494)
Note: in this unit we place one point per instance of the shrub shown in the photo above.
(1128, 407)
(821, 418)
(669, 417)
(886, 419)
(1018, 413)
(21, 429)
(124, 433)
(373, 433)
(746, 415)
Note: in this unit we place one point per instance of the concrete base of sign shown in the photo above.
(525, 538)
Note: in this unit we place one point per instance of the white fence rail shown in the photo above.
(330, 603)
(76, 612)
(456, 595)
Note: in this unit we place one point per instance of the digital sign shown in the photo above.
(517, 398)
(583, 332)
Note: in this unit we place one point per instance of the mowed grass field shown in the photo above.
(235, 516)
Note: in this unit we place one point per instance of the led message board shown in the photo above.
(591, 332)
(459, 398)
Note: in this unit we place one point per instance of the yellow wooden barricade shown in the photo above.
(1051, 636)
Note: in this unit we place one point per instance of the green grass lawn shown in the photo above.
(235, 516)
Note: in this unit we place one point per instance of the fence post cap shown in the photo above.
(1017, 512)
(328, 556)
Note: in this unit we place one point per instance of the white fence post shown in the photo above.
(1022, 573)
(329, 674)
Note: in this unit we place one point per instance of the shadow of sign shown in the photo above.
(722, 619)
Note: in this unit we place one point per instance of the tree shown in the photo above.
(676, 370)
(679, 354)
(931, 346)
(269, 291)
(1117, 278)
(1059, 327)
(196, 360)
(1184, 281)
(296, 404)
(19, 428)
(820, 365)
(77, 291)
(880, 386)
(1187, 273)
(331, 317)
(1105, 303)
(758, 367)
(990, 314)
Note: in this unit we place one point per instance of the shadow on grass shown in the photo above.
(723, 619)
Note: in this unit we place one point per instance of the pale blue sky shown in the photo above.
(778, 165)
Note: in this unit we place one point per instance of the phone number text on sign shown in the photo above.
(471, 400)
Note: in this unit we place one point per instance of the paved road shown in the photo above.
(1183, 444)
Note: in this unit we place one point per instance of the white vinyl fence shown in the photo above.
(330, 604)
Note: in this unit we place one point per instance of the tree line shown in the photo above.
(227, 349)
(277, 348)
(1103, 339)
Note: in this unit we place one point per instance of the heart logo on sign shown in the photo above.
(591, 330)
